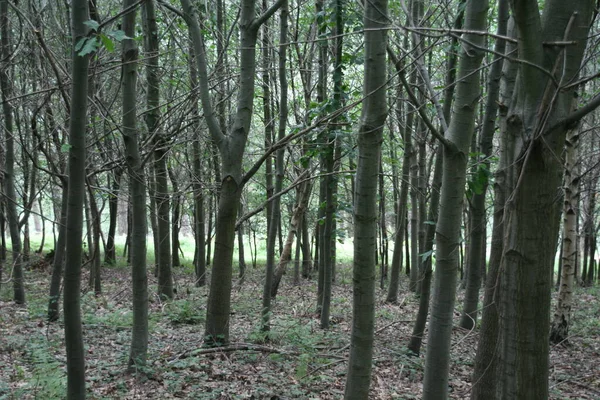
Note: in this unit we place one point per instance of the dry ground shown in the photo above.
(300, 361)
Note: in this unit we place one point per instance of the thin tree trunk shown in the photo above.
(59, 258)
(110, 255)
(477, 234)
(9, 162)
(562, 315)
(76, 194)
(137, 180)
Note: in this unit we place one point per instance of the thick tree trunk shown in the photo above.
(532, 212)
(456, 149)
(370, 136)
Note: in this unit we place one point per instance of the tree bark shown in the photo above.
(477, 234)
(370, 137)
(76, 194)
(456, 149)
(9, 161)
(532, 212)
(137, 179)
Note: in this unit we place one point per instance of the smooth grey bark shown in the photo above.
(539, 118)
(95, 280)
(231, 148)
(477, 234)
(76, 194)
(59, 257)
(484, 374)
(416, 338)
(114, 178)
(456, 149)
(137, 189)
(370, 137)
(396, 266)
(152, 116)
(199, 212)
(175, 218)
(9, 159)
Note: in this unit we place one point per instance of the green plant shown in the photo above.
(184, 312)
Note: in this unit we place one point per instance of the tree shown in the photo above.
(76, 194)
(562, 314)
(231, 148)
(370, 136)
(137, 185)
(538, 118)
(9, 155)
(477, 232)
(456, 149)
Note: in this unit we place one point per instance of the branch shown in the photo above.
(267, 14)
(189, 15)
(420, 109)
(577, 115)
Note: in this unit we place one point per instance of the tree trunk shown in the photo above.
(76, 194)
(456, 149)
(484, 373)
(59, 257)
(370, 136)
(231, 148)
(532, 213)
(175, 219)
(562, 315)
(396, 267)
(9, 164)
(137, 180)
(295, 222)
(197, 187)
(110, 255)
(477, 234)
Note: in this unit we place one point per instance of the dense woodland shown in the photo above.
(299, 199)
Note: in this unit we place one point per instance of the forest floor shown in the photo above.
(299, 361)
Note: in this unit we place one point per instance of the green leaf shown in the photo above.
(426, 255)
(91, 45)
(80, 44)
(107, 42)
(65, 148)
(94, 25)
(119, 35)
